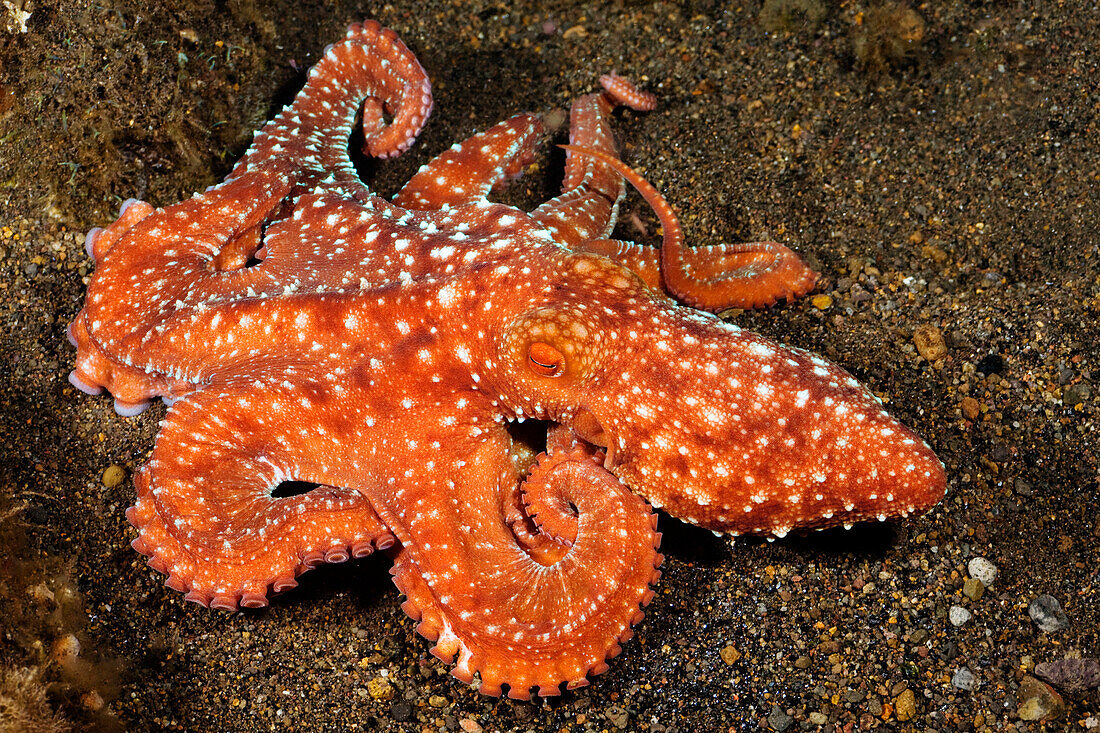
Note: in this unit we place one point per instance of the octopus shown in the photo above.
(344, 372)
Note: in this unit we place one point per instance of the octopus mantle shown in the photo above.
(304, 329)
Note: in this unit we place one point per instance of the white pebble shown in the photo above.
(964, 679)
(983, 570)
(958, 615)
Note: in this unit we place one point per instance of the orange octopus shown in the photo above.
(342, 371)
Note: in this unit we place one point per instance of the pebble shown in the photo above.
(1076, 394)
(113, 476)
(380, 689)
(1047, 614)
(438, 701)
(802, 662)
(93, 701)
(778, 719)
(1072, 675)
(729, 654)
(818, 718)
(905, 705)
(982, 570)
(470, 725)
(618, 716)
(964, 679)
(1038, 701)
(821, 302)
(929, 342)
(971, 408)
(65, 651)
(958, 615)
(973, 588)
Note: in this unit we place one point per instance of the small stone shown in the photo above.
(1075, 394)
(65, 651)
(113, 476)
(1023, 488)
(905, 705)
(470, 725)
(802, 662)
(973, 588)
(1072, 675)
(729, 654)
(964, 679)
(958, 615)
(929, 342)
(92, 700)
(983, 570)
(818, 718)
(438, 701)
(778, 719)
(401, 711)
(821, 302)
(1038, 701)
(380, 689)
(971, 408)
(618, 716)
(1047, 614)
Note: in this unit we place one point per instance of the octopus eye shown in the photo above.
(544, 359)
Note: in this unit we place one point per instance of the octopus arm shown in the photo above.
(157, 263)
(467, 171)
(643, 260)
(371, 69)
(206, 515)
(591, 190)
(722, 276)
(532, 584)
(747, 275)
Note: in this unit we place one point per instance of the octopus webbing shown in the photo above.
(342, 372)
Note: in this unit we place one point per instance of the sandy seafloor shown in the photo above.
(940, 169)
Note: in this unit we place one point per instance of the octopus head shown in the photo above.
(719, 426)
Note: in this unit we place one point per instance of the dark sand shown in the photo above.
(941, 172)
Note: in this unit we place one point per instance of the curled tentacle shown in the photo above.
(723, 276)
(206, 515)
(371, 68)
(547, 491)
(523, 607)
